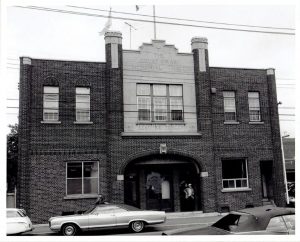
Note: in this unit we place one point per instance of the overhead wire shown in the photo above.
(180, 19)
(150, 21)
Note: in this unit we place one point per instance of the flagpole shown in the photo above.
(154, 21)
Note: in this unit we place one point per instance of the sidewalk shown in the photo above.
(187, 217)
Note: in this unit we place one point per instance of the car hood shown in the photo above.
(197, 230)
(66, 217)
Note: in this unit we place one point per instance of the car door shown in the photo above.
(122, 216)
(290, 223)
(102, 217)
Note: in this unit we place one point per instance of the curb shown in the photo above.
(192, 215)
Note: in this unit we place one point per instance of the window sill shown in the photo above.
(51, 122)
(80, 196)
(81, 122)
(161, 123)
(231, 122)
(256, 122)
(236, 189)
(137, 134)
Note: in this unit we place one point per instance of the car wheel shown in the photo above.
(137, 226)
(69, 229)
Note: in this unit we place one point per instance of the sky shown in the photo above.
(52, 35)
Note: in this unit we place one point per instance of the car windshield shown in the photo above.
(14, 214)
(89, 210)
(231, 222)
(106, 208)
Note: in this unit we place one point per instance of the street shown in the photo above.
(171, 223)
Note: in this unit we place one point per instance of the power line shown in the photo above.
(286, 87)
(181, 19)
(12, 68)
(278, 78)
(133, 111)
(151, 21)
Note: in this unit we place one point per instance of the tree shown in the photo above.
(12, 157)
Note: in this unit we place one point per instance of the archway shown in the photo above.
(158, 182)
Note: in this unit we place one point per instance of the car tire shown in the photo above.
(137, 226)
(69, 229)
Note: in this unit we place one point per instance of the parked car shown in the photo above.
(291, 192)
(256, 221)
(17, 221)
(104, 216)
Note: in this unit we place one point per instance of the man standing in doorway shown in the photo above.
(190, 197)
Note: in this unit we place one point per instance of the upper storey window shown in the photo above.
(254, 107)
(229, 106)
(82, 104)
(51, 103)
(159, 103)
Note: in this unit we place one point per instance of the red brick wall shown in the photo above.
(42, 184)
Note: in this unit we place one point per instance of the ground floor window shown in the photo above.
(234, 173)
(82, 178)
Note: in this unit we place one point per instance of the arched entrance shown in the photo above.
(159, 182)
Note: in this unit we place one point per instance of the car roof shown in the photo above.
(262, 215)
(13, 209)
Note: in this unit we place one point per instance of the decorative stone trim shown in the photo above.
(113, 37)
(26, 61)
(78, 122)
(51, 122)
(236, 190)
(128, 134)
(80, 196)
(270, 71)
(199, 43)
(231, 122)
(160, 123)
(259, 122)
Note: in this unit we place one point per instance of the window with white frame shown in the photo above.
(50, 103)
(234, 174)
(144, 102)
(159, 102)
(254, 106)
(82, 104)
(229, 106)
(82, 178)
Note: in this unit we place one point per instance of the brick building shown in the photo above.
(140, 126)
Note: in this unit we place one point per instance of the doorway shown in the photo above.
(266, 169)
(159, 191)
(155, 183)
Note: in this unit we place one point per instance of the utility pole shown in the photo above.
(154, 21)
(284, 170)
(130, 27)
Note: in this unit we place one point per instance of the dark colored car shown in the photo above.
(258, 220)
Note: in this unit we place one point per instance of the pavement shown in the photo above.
(174, 219)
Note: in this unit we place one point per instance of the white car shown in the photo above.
(17, 221)
(104, 216)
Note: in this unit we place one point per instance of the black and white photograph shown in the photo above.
(142, 120)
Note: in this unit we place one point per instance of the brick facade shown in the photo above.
(45, 148)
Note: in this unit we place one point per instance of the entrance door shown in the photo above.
(159, 190)
(266, 169)
(131, 189)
